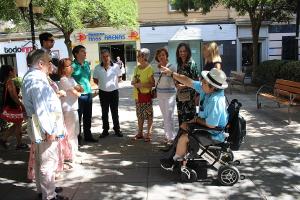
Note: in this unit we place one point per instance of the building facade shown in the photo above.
(162, 26)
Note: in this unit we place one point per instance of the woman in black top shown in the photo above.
(11, 98)
(211, 56)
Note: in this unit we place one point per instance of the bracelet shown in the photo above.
(172, 74)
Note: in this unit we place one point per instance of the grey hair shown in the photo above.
(35, 56)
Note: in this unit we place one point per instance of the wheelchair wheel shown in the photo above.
(188, 175)
(228, 175)
(227, 156)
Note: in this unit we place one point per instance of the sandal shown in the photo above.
(138, 136)
(148, 138)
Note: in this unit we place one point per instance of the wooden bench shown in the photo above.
(284, 92)
(236, 78)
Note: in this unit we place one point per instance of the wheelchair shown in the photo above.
(218, 156)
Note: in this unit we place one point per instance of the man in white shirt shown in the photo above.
(41, 101)
(107, 75)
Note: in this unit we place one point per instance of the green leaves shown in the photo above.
(185, 5)
(69, 15)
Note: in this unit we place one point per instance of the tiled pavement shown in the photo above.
(118, 168)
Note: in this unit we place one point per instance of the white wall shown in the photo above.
(59, 45)
(206, 32)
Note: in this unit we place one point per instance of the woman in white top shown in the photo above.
(70, 103)
(166, 93)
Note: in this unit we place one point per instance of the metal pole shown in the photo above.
(31, 24)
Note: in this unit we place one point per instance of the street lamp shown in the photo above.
(23, 5)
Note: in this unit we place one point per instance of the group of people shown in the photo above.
(170, 91)
(56, 97)
(55, 110)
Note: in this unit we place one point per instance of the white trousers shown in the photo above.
(46, 161)
(166, 104)
(72, 125)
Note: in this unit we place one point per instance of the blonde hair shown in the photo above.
(213, 52)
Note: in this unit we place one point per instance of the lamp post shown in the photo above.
(23, 5)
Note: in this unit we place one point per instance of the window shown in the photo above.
(289, 48)
(172, 8)
(130, 53)
(9, 59)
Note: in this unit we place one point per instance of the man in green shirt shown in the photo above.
(82, 75)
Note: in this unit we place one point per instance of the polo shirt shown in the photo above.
(107, 79)
(82, 75)
(213, 110)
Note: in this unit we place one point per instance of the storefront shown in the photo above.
(14, 53)
(122, 43)
(154, 37)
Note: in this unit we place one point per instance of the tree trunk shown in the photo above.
(68, 42)
(255, 37)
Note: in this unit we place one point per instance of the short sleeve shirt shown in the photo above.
(82, 75)
(107, 79)
(213, 109)
(144, 76)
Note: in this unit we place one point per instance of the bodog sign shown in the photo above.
(17, 49)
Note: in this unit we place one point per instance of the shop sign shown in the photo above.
(17, 49)
(101, 36)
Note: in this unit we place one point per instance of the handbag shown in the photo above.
(144, 97)
(153, 91)
(184, 95)
(14, 115)
(11, 114)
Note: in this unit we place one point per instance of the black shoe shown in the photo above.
(119, 133)
(60, 197)
(90, 139)
(104, 134)
(22, 146)
(167, 164)
(166, 148)
(57, 190)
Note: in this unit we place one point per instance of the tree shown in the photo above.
(258, 11)
(69, 15)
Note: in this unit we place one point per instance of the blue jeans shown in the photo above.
(85, 102)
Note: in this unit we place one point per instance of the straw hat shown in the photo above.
(216, 78)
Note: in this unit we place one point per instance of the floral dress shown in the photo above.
(185, 98)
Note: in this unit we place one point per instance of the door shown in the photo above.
(247, 57)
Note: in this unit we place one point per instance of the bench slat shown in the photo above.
(287, 88)
(288, 83)
(275, 98)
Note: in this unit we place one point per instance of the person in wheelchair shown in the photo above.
(212, 113)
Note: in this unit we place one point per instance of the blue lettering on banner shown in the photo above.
(98, 36)
(115, 37)
(94, 37)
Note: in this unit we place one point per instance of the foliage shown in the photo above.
(268, 71)
(185, 5)
(18, 82)
(69, 15)
(258, 11)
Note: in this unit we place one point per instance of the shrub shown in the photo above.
(268, 71)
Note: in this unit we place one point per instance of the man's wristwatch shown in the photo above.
(172, 74)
